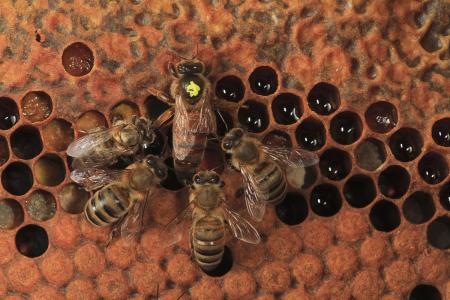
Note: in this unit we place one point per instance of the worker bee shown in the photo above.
(263, 168)
(208, 213)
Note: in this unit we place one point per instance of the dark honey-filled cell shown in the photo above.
(230, 88)
(346, 127)
(9, 113)
(11, 214)
(438, 232)
(41, 205)
(287, 108)
(433, 168)
(384, 216)
(324, 98)
(224, 266)
(370, 154)
(381, 116)
(359, 190)
(277, 138)
(335, 164)
(49, 170)
(73, 198)
(78, 59)
(393, 181)
(4, 151)
(418, 208)
(154, 107)
(171, 182)
(310, 134)
(425, 292)
(17, 178)
(325, 200)
(58, 134)
(36, 106)
(253, 116)
(263, 81)
(310, 177)
(124, 110)
(441, 132)
(293, 209)
(32, 240)
(26, 142)
(406, 144)
(444, 196)
(91, 120)
(224, 122)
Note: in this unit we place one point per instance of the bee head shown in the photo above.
(190, 67)
(157, 166)
(232, 139)
(129, 136)
(203, 178)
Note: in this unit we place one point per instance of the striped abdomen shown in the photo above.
(107, 205)
(270, 181)
(208, 242)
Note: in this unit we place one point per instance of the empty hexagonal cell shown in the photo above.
(433, 168)
(73, 198)
(263, 81)
(277, 138)
(287, 108)
(11, 214)
(293, 210)
(32, 240)
(78, 59)
(325, 200)
(444, 196)
(335, 164)
(310, 134)
(124, 110)
(438, 232)
(224, 122)
(4, 151)
(58, 134)
(155, 107)
(440, 132)
(26, 142)
(359, 190)
(41, 205)
(425, 292)
(381, 116)
(50, 170)
(253, 116)
(346, 127)
(406, 144)
(9, 113)
(370, 154)
(393, 181)
(384, 216)
(418, 208)
(90, 120)
(230, 88)
(17, 178)
(36, 106)
(324, 98)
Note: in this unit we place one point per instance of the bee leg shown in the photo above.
(161, 95)
(165, 118)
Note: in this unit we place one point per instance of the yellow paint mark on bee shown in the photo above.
(192, 89)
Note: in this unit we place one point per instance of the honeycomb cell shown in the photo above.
(444, 196)
(78, 59)
(263, 81)
(293, 210)
(32, 240)
(310, 134)
(438, 232)
(346, 127)
(26, 142)
(440, 131)
(359, 190)
(50, 170)
(224, 266)
(224, 122)
(11, 214)
(155, 107)
(9, 113)
(41, 205)
(124, 110)
(36, 106)
(4, 151)
(324, 98)
(433, 168)
(418, 208)
(310, 177)
(171, 182)
(381, 116)
(253, 116)
(370, 154)
(406, 144)
(158, 145)
(384, 216)
(230, 88)
(17, 178)
(335, 164)
(58, 134)
(425, 292)
(90, 120)
(393, 181)
(287, 108)
(430, 41)
(325, 200)
(277, 138)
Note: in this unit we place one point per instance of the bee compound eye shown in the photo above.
(214, 179)
(197, 179)
(227, 144)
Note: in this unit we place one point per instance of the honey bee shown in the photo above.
(263, 168)
(208, 214)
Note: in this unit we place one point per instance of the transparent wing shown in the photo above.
(291, 157)
(95, 178)
(240, 227)
(207, 118)
(173, 232)
(256, 206)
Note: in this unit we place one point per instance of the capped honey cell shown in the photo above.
(287, 108)
(32, 240)
(384, 216)
(253, 116)
(381, 116)
(9, 113)
(78, 59)
(36, 106)
(11, 214)
(263, 80)
(230, 88)
(26, 142)
(41, 205)
(324, 98)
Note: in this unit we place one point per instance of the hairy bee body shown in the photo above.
(270, 181)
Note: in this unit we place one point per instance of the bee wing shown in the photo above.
(207, 118)
(95, 178)
(240, 227)
(173, 231)
(256, 206)
(291, 157)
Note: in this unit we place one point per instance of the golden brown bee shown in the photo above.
(208, 213)
(263, 168)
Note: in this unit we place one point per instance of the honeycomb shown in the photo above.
(364, 84)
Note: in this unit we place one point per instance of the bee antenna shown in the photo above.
(181, 295)
(223, 120)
